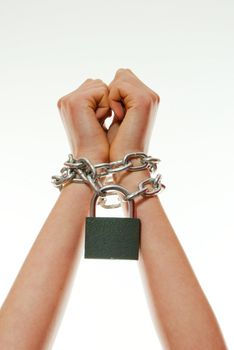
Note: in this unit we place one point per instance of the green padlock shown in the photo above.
(112, 237)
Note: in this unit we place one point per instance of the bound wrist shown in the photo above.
(131, 179)
(93, 158)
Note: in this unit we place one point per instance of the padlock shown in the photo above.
(112, 237)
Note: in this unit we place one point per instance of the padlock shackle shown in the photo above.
(109, 188)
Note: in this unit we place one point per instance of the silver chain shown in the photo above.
(83, 171)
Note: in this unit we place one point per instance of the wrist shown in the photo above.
(92, 157)
(119, 155)
(131, 179)
(127, 178)
(78, 190)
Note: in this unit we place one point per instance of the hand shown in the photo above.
(83, 112)
(134, 105)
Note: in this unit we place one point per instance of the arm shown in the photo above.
(30, 314)
(181, 311)
(34, 305)
(183, 315)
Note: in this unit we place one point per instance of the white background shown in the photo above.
(184, 51)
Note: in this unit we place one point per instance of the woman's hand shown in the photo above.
(83, 112)
(134, 105)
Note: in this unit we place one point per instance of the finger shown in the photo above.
(107, 115)
(102, 120)
(126, 74)
(102, 113)
(103, 109)
(117, 95)
(91, 83)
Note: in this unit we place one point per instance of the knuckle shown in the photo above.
(144, 99)
(94, 81)
(147, 100)
(60, 102)
(122, 71)
(105, 89)
(73, 101)
(67, 102)
(99, 81)
(156, 97)
(86, 82)
(128, 70)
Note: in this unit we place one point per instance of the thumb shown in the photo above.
(116, 101)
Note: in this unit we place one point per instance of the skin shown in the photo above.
(31, 311)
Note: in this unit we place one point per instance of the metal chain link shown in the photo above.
(83, 171)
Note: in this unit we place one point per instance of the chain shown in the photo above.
(99, 175)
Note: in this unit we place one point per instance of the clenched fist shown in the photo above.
(83, 112)
(134, 105)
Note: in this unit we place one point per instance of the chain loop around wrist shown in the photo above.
(83, 171)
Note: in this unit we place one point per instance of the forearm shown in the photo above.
(31, 311)
(181, 311)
